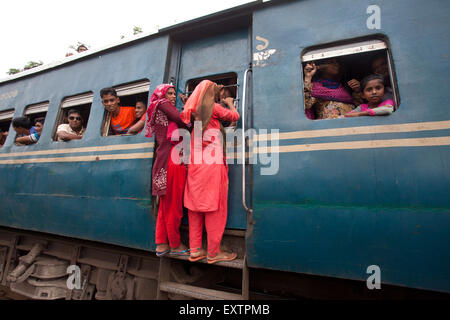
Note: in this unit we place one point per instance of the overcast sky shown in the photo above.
(44, 29)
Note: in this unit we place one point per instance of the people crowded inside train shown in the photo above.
(168, 176)
(206, 192)
(380, 66)
(73, 130)
(81, 48)
(3, 136)
(39, 125)
(26, 133)
(372, 89)
(325, 96)
(122, 118)
(139, 124)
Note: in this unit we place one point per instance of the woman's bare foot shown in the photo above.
(198, 255)
(222, 256)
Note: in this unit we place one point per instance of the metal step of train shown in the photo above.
(235, 264)
(233, 240)
(197, 292)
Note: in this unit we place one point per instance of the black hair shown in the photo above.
(40, 119)
(371, 77)
(378, 56)
(141, 101)
(229, 90)
(325, 61)
(73, 111)
(106, 91)
(21, 122)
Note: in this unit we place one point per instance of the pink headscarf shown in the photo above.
(158, 97)
(194, 100)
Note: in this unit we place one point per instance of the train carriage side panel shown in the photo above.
(220, 54)
(342, 202)
(96, 188)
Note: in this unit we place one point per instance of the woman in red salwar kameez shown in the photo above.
(168, 177)
(206, 189)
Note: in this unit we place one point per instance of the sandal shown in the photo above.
(162, 253)
(180, 253)
(223, 256)
(202, 254)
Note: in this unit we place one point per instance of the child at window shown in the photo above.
(26, 134)
(373, 91)
(140, 111)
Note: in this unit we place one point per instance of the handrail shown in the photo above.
(244, 102)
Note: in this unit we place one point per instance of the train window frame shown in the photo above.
(6, 116)
(135, 88)
(375, 46)
(33, 111)
(36, 108)
(77, 101)
(218, 78)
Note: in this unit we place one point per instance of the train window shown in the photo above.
(81, 103)
(129, 94)
(37, 112)
(5, 123)
(332, 76)
(228, 80)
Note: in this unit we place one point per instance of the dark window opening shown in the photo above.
(5, 125)
(229, 82)
(129, 94)
(36, 112)
(81, 103)
(356, 60)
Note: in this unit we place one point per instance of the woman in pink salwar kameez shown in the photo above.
(206, 190)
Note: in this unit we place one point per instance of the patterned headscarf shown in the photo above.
(330, 91)
(158, 97)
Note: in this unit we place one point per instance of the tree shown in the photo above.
(13, 71)
(29, 65)
(32, 64)
(137, 30)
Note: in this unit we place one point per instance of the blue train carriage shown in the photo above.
(341, 197)
(354, 193)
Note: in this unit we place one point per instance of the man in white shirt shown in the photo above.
(74, 129)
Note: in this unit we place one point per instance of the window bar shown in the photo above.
(391, 77)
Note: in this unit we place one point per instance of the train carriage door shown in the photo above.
(222, 58)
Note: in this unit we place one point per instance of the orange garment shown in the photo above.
(124, 120)
(214, 221)
(202, 191)
(206, 191)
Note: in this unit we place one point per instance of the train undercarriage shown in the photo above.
(47, 267)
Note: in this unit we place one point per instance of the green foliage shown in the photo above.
(32, 64)
(29, 65)
(13, 71)
(137, 30)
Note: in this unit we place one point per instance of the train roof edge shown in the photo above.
(167, 30)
